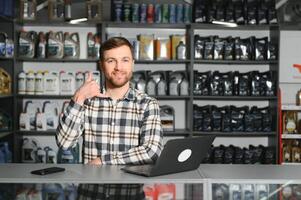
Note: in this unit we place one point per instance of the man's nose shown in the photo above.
(118, 65)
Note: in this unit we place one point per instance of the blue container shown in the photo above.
(180, 11)
(143, 11)
(172, 13)
(158, 13)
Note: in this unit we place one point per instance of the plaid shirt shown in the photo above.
(128, 132)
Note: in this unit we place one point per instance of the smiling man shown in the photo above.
(119, 126)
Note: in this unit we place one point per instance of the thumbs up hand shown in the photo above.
(89, 89)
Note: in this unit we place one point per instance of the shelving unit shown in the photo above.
(190, 64)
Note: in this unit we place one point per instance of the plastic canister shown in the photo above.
(53, 191)
(27, 42)
(5, 121)
(79, 79)
(39, 83)
(55, 45)
(41, 124)
(4, 150)
(22, 83)
(56, 9)
(51, 84)
(71, 45)
(93, 9)
(3, 38)
(5, 82)
(97, 46)
(51, 113)
(67, 83)
(9, 48)
(90, 45)
(30, 82)
(70, 155)
(184, 87)
(29, 148)
(50, 155)
(41, 155)
(41, 49)
(28, 9)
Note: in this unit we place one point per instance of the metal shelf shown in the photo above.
(6, 58)
(146, 25)
(44, 96)
(161, 61)
(55, 60)
(238, 27)
(5, 133)
(236, 134)
(237, 98)
(177, 132)
(237, 62)
(6, 96)
(37, 133)
(58, 23)
(291, 136)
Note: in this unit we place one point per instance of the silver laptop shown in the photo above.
(178, 155)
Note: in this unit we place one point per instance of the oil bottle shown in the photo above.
(93, 9)
(56, 10)
(27, 44)
(3, 39)
(71, 45)
(28, 9)
(55, 45)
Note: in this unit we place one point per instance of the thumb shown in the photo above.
(89, 77)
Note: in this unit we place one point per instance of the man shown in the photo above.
(120, 126)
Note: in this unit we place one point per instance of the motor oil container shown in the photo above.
(41, 155)
(7, 155)
(97, 46)
(27, 119)
(5, 121)
(41, 49)
(27, 44)
(51, 115)
(56, 10)
(55, 45)
(28, 9)
(51, 84)
(29, 149)
(53, 191)
(93, 9)
(41, 124)
(5, 82)
(22, 83)
(151, 87)
(184, 87)
(70, 191)
(30, 82)
(2, 157)
(79, 79)
(67, 83)
(9, 48)
(3, 39)
(70, 155)
(39, 83)
(90, 45)
(71, 45)
(50, 155)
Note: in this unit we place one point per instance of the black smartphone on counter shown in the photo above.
(49, 170)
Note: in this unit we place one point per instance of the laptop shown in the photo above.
(178, 155)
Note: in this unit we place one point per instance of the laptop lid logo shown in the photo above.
(184, 155)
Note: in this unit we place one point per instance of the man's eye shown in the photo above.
(109, 61)
(125, 60)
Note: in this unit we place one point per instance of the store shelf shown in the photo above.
(6, 96)
(291, 107)
(44, 96)
(238, 27)
(55, 60)
(237, 134)
(291, 136)
(37, 133)
(237, 62)
(237, 98)
(285, 163)
(172, 97)
(58, 23)
(177, 132)
(5, 133)
(161, 61)
(145, 25)
(6, 58)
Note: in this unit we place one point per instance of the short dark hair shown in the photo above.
(114, 42)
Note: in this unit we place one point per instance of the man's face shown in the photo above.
(117, 66)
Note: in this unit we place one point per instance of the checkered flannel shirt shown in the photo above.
(128, 132)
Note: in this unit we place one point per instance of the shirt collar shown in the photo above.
(129, 95)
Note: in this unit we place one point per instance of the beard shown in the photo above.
(119, 79)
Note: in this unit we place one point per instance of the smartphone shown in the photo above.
(49, 170)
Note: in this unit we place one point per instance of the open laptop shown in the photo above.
(178, 155)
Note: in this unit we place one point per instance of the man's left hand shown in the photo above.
(96, 161)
